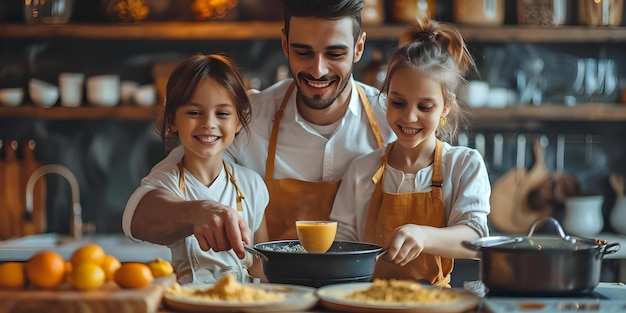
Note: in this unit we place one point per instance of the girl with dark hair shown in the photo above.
(206, 106)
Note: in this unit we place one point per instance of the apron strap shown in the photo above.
(233, 180)
(370, 116)
(378, 175)
(271, 152)
(183, 187)
(437, 181)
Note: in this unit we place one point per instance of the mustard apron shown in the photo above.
(387, 211)
(292, 199)
(208, 272)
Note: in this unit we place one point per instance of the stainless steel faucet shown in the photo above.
(76, 222)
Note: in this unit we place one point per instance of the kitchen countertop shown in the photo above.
(118, 245)
(616, 292)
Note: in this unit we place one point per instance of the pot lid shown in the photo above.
(559, 242)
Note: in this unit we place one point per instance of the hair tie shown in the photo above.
(425, 36)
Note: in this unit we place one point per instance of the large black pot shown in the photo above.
(345, 261)
(541, 265)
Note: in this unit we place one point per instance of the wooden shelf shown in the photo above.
(606, 112)
(271, 30)
(80, 113)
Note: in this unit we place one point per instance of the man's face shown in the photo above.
(321, 56)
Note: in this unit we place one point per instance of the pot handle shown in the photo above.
(262, 256)
(609, 248)
(487, 242)
(554, 222)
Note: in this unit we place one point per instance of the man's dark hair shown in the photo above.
(326, 9)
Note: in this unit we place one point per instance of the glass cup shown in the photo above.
(47, 11)
(316, 236)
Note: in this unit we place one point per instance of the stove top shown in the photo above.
(606, 297)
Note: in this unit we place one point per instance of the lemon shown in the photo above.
(87, 276)
(12, 275)
(110, 265)
(160, 268)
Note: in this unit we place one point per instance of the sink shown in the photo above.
(117, 245)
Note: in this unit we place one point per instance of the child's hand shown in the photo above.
(407, 243)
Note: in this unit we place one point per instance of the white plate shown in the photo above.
(298, 298)
(334, 297)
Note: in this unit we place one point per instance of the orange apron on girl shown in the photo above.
(292, 199)
(387, 211)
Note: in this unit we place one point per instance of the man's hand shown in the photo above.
(222, 229)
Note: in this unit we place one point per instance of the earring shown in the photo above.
(442, 121)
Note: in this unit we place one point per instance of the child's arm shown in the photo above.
(410, 240)
(256, 270)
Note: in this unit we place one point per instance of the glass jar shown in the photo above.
(373, 12)
(541, 12)
(600, 12)
(47, 11)
(479, 12)
(407, 11)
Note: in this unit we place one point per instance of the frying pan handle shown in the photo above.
(381, 253)
(262, 256)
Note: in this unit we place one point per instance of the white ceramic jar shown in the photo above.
(583, 216)
(618, 215)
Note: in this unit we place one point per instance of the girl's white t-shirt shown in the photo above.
(208, 266)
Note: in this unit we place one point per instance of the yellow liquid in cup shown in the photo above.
(316, 237)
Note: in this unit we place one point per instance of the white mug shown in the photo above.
(103, 90)
(71, 85)
(477, 93)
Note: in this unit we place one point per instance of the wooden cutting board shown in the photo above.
(161, 72)
(510, 212)
(108, 298)
(11, 204)
(5, 220)
(37, 224)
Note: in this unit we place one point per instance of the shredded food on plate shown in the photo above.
(228, 289)
(402, 291)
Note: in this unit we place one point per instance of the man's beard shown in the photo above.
(317, 102)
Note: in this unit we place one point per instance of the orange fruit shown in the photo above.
(87, 276)
(68, 271)
(110, 265)
(45, 269)
(12, 275)
(160, 268)
(88, 253)
(133, 275)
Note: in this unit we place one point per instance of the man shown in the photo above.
(303, 135)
